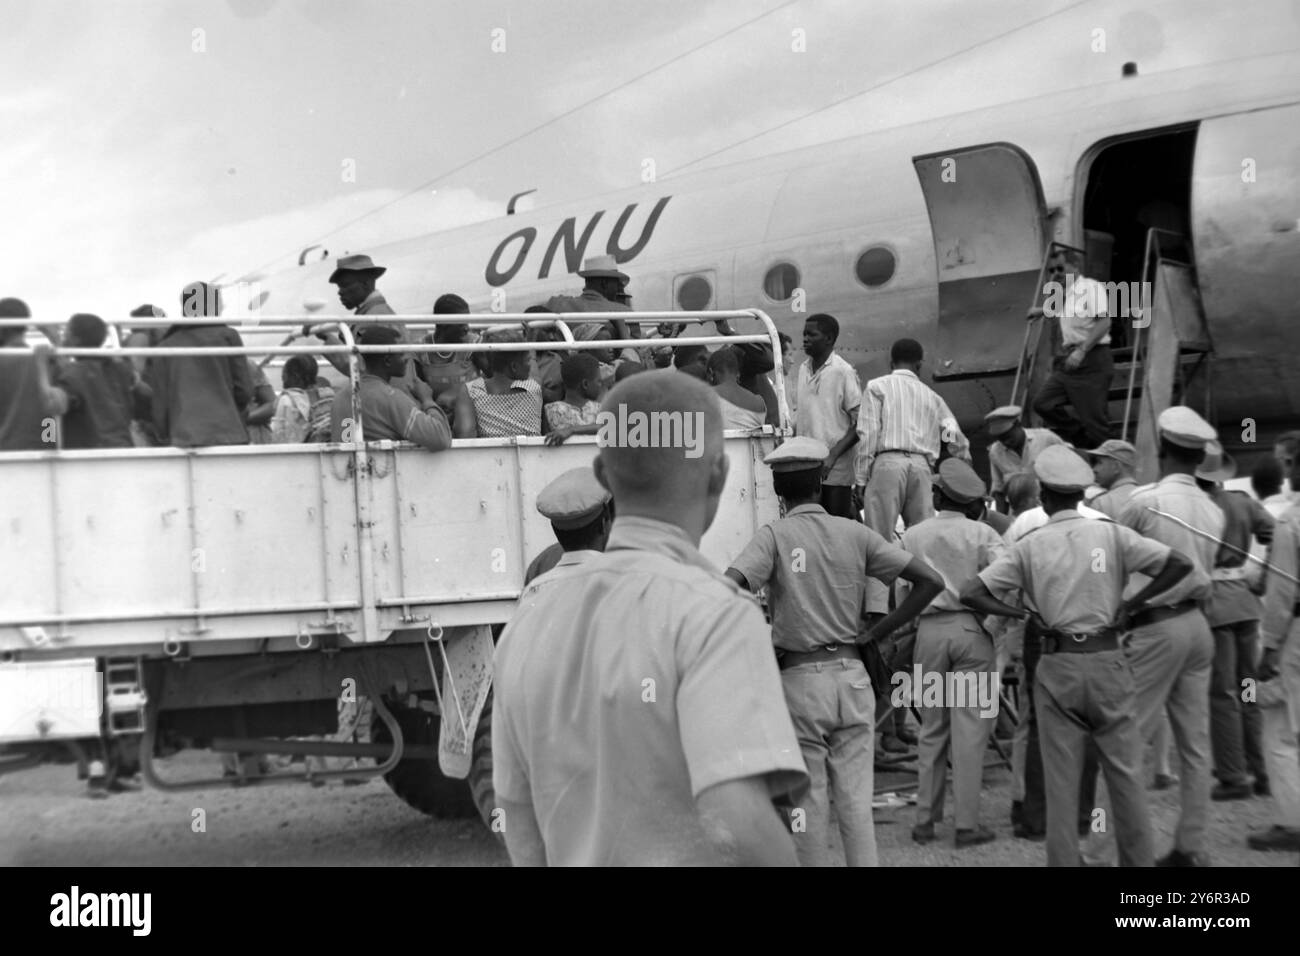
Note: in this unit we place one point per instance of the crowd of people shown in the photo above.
(895, 568)
(426, 397)
(1128, 617)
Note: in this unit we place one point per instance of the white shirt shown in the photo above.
(828, 408)
(1027, 521)
(1084, 305)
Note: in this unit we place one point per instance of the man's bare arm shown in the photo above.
(742, 825)
(927, 584)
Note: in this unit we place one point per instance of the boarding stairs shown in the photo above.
(1162, 349)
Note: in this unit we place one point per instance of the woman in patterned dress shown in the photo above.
(507, 402)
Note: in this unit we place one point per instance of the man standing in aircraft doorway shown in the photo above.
(827, 398)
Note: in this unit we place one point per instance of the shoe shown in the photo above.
(1164, 781)
(974, 837)
(1179, 858)
(1022, 832)
(907, 735)
(923, 833)
(892, 745)
(1274, 838)
(1232, 791)
(1262, 789)
(1017, 812)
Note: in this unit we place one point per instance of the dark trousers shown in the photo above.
(1235, 727)
(838, 500)
(1083, 390)
(1033, 811)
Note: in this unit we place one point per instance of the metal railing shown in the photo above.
(422, 322)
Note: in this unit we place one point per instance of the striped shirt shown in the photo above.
(899, 412)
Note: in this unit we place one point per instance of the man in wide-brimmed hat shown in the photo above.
(604, 285)
(355, 277)
(1234, 613)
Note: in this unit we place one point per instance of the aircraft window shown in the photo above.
(875, 266)
(781, 281)
(694, 294)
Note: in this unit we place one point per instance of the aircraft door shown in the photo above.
(1246, 230)
(987, 217)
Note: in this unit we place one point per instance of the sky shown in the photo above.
(146, 143)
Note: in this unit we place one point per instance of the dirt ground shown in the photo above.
(47, 819)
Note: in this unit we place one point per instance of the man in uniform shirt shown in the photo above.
(1082, 373)
(580, 510)
(902, 428)
(950, 640)
(816, 566)
(1114, 468)
(1083, 687)
(639, 716)
(1279, 667)
(1014, 450)
(1233, 613)
(387, 412)
(1170, 647)
(827, 399)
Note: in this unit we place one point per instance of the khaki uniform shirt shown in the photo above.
(628, 684)
(1180, 496)
(1072, 570)
(1003, 462)
(956, 547)
(1111, 502)
(817, 567)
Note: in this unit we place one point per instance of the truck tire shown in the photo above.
(422, 785)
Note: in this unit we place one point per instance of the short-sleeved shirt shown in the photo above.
(1281, 592)
(628, 684)
(1245, 519)
(22, 410)
(1003, 462)
(816, 567)
(100, 403)
(1111, 502)
(1072, 570)
(958, 548)
(1180, 496)
(1085, 305)
(388, 413)
(828, 401)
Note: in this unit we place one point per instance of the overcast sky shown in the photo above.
(147, 143)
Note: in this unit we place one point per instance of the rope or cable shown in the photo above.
(535, 129)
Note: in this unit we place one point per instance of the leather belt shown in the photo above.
(899, 451)
(1154, 615)
(1239, 573)
(835, 652)
(1063, 642)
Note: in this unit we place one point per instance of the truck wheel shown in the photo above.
(422, 784)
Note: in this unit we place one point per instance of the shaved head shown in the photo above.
(661, 453)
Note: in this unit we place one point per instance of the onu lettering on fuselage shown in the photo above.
(511, 253)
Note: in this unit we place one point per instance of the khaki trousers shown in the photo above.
(1082, 696)
(1172, 660)
(899, 485)
(954, 643)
